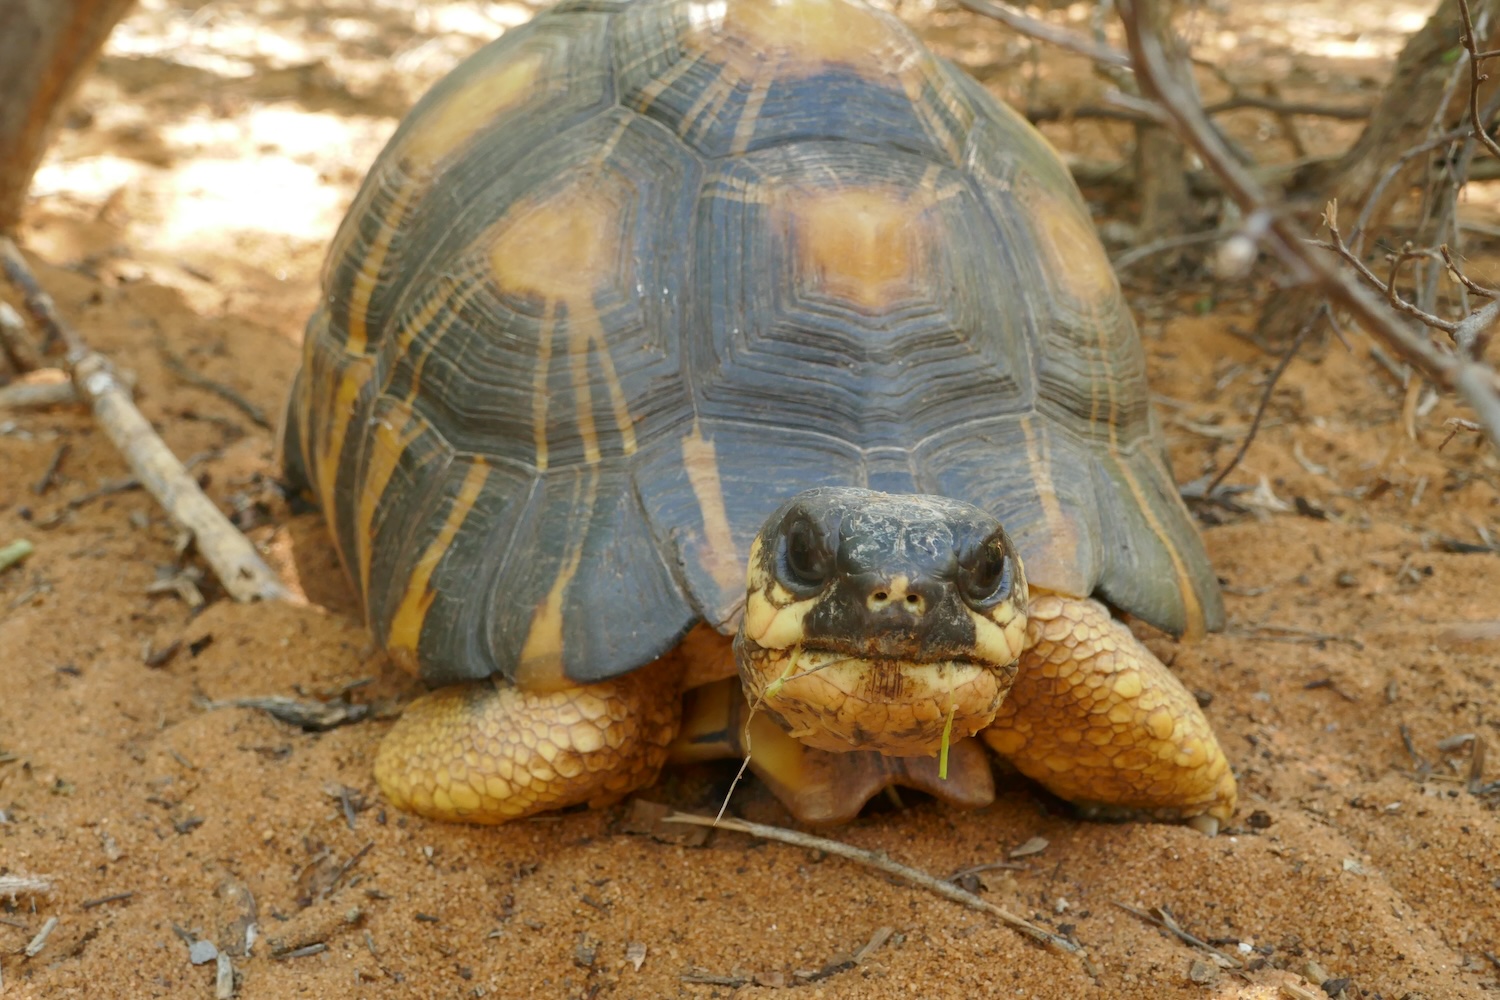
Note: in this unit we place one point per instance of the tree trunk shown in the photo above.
(46, 47)
(1413, 101)
(1166, 203)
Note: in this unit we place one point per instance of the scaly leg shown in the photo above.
(488, 752)
(1099, 721)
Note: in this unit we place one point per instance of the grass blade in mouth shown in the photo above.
(947, 739)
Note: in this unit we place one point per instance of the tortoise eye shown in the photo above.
(987, 577)
(806, 561)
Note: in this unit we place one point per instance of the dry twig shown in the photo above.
(1162, 917)
(879, 861)
(1162, 78)
(40, 941)
(1260, 410)
(178, 366)
(1063, 38)
(1475, 76)
(244, 574)
(15, 345)
(15, 885)
(1240, 102)
(37, 395)
(1470, 334)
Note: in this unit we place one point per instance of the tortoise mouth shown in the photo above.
(838, 700)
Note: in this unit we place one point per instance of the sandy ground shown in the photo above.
(182, 217)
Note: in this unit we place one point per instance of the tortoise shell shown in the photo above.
(637, 272)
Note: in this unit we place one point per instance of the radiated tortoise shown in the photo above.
(660, 322)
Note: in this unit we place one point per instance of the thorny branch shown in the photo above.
(1161, 78)
(1476, 76)
(1470, 335)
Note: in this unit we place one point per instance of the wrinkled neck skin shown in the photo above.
(841, 702)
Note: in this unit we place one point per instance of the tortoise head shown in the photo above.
(876, 621)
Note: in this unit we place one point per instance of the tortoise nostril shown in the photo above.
(912, 599)
(881, 595)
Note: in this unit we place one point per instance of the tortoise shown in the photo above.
(669, 341)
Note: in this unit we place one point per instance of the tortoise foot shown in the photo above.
(820, 787)
(488, 752)
(1099, 721)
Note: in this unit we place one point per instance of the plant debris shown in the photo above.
(310, 716)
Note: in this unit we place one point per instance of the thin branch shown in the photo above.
(37, 395)
(1265, 402)
(1063, 38)
(1391, 173)
(15, 345)
(1238, 103)
(235, 561)
(1444, 184)
(179, 367)
(1476, 75)
(1280, 107)
(1462, 278)
(1135, 255)
(1471, 335)
(879, 861)
(14, 885)
(1386, 288)
(1162, 917)
(1160, 78)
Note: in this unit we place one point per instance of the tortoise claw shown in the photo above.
(1205, 824)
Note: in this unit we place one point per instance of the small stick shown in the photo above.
(180, 368)
(1239, 102)
(1163, 918)
(15, 344)
(14, 885)
(1012, 866)
(118, 897)
(1362, 223)
(37, 395)
(49, 477)
(879, 861)
(1475, 75)
(40, 941)
(1063, 38)
(1265, 401)
(1137, 254)
(223, 977)
(235, 561)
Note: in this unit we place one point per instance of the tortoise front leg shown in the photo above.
(1099, 721)
(489, 752)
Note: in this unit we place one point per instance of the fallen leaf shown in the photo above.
(1036, 845)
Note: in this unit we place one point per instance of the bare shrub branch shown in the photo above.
(1476, 76)
(1031, 27)
(1162, 78)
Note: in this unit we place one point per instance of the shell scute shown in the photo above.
(637, 272)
